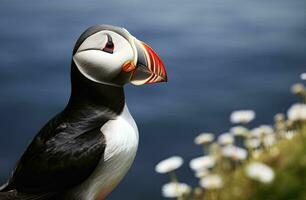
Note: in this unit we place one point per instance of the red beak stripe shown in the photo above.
(156, 66)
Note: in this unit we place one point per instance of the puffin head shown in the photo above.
(112, 56)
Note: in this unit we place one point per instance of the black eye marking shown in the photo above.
(109, 46)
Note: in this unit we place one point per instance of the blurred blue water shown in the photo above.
(220, 56)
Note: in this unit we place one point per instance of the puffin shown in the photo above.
(84, 151)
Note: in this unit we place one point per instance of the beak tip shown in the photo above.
(151, 68)
(166, 79)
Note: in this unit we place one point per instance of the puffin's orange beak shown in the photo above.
(149, 68)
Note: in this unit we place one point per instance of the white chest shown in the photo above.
(121, 137)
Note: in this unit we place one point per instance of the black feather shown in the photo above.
(69, 147)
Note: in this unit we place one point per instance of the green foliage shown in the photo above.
(287, 159)
(270, 166)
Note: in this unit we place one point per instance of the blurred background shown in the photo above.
(220, 56)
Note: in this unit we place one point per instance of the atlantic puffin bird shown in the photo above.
(85, 151)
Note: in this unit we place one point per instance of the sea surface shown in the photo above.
(220, 55)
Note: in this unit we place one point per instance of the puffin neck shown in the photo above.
(88, 94)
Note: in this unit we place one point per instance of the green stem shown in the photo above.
(173, 177)
(205, 149)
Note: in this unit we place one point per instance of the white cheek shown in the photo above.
(100, 66)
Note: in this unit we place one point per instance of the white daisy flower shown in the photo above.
(297, 112)
(303, 76)
(204, 138)
(252, 143)
(260, 172)
(212, 182)
(279, 117)
(266, 129)
(269, 140)
(256, 133)
(298, 88)
(225, 139)
(289, 134)
(203, 162)
(174, 190)
(234, 153)
(201, 173)
(242, 116)
(239, 131)
(169, 164)
(261, 131)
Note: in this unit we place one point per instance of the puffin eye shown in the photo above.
(109, 46)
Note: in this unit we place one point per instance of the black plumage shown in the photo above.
(65, 160)
(68, 148)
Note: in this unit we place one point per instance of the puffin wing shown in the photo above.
(59, 163)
